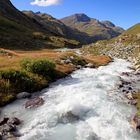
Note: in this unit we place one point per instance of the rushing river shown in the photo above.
(84, 106)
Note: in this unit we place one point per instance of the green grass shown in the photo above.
(133, 30)
(79, 61)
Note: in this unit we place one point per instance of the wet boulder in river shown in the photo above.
(4, 121)
(136, 122)
(23, 95)
(14, 121)
(68, 117)
(7, 120)
(132, 102)
(8, 128)
(35, 102)
(129, 96)
(125, 74)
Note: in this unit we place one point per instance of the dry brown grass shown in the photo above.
(12, 61)
(98, 60)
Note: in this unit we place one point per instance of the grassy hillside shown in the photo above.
(57, 27)
(125, 46)
(30, 31)
(17, 36)
(134, 30)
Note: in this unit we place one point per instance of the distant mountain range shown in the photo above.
(93, 27)
(57, 27)
(29, 30)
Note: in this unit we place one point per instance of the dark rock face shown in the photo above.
(35, 102)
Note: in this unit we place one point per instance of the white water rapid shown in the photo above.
(84, 106)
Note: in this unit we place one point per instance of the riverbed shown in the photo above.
(83, 106)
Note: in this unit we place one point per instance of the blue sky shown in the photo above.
(124, 13)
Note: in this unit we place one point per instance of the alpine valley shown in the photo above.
(74, 78)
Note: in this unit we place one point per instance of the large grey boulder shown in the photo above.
(23, 95)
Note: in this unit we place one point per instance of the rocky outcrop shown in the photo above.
(130, 89)
(126, 46)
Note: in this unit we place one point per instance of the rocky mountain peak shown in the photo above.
(81, 17)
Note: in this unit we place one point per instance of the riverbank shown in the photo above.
(15, 79)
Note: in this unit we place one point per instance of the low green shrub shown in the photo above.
(79, 61)
(41, 66)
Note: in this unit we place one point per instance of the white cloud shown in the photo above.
(46, 2)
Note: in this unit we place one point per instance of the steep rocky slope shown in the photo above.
(125, 46)
(93, 27)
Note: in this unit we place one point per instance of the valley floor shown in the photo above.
(65, 61)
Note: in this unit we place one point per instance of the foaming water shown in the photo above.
(85, 106)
